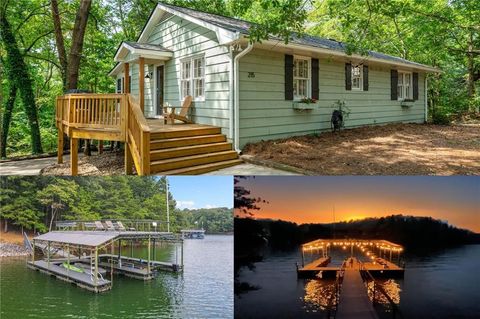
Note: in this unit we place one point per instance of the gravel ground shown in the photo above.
(394, 149)
(108, 163)
(11, 250)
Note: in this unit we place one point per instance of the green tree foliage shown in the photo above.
(442, 33)
(213, 220)
(37, 202)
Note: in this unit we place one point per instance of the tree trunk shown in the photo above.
(54, 211)
(7, 117)
(471, 70)
(19, 73)
(6, 226)
(77, 43)
(62, 55)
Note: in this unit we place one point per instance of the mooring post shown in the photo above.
(148, 266)
(181, 247)
(95, 271)
(111, 263)
(68, 259)
(303, 258)
(48, 255)
(154, 249)
(33, 252)
(119, 253)
(131, 248)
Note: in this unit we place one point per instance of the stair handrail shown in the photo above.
(137, 136)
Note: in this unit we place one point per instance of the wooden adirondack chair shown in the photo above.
(182, 116)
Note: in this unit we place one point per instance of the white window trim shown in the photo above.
(192, 78)
(361, 78)
(309, 77)
(401, 75)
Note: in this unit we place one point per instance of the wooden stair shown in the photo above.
(190, 151)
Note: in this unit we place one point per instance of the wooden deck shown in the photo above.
(151, 147)
(354, 301)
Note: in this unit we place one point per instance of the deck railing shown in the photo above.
(114, 117)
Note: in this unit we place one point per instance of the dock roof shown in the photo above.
(84, 238)
(99, 238)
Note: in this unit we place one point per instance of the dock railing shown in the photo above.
(377, 288)
(124, 225)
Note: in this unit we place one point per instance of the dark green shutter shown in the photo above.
(394, 85)
(288, 77)
(315, 84)
(348, 76)
(365, 77)
(415, 86)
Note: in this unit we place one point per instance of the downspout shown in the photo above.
(237, 95)
(426, 98)
(230, 96)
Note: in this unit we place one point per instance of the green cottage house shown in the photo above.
(248, 92)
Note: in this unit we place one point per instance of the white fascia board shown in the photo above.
(117, 69)
(224, 36)
(277, 43)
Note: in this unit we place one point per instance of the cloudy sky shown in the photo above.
(202, 191)
(311, 199)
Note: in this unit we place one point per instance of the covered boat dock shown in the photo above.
(89, 255)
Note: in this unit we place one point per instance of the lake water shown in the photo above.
(203, 290)
(445, 284)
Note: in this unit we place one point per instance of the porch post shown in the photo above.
(60, 144)
(126, 81)
(73, 156)
(141, 81)
(128, 160)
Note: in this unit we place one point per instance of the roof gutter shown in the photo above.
(236, 94)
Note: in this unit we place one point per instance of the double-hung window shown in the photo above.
(404, 88)
(357, 77)
(301, 78)
(192, 78)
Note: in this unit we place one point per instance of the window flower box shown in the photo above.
(407, 103)
(305, 104)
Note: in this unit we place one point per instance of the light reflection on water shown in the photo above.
(442, 285)
(318, 294)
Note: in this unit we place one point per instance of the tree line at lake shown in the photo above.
(35, 203)
(48, 47)
(416, 234)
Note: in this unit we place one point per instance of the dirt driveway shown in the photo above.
(394, 149)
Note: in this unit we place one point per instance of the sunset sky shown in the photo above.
(311, 199)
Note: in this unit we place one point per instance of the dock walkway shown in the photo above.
(354, 301)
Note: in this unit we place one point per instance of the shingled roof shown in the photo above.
(243, 27)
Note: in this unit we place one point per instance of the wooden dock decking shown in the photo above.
(318, 267)
(354, 301)
(82, 280)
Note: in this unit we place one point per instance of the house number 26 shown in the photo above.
(251, 74)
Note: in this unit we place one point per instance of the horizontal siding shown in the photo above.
(264, 113)
(186, 39)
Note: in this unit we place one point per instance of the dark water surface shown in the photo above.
(442, 285)
(204, 290)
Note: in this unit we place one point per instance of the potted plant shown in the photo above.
(305, 103)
